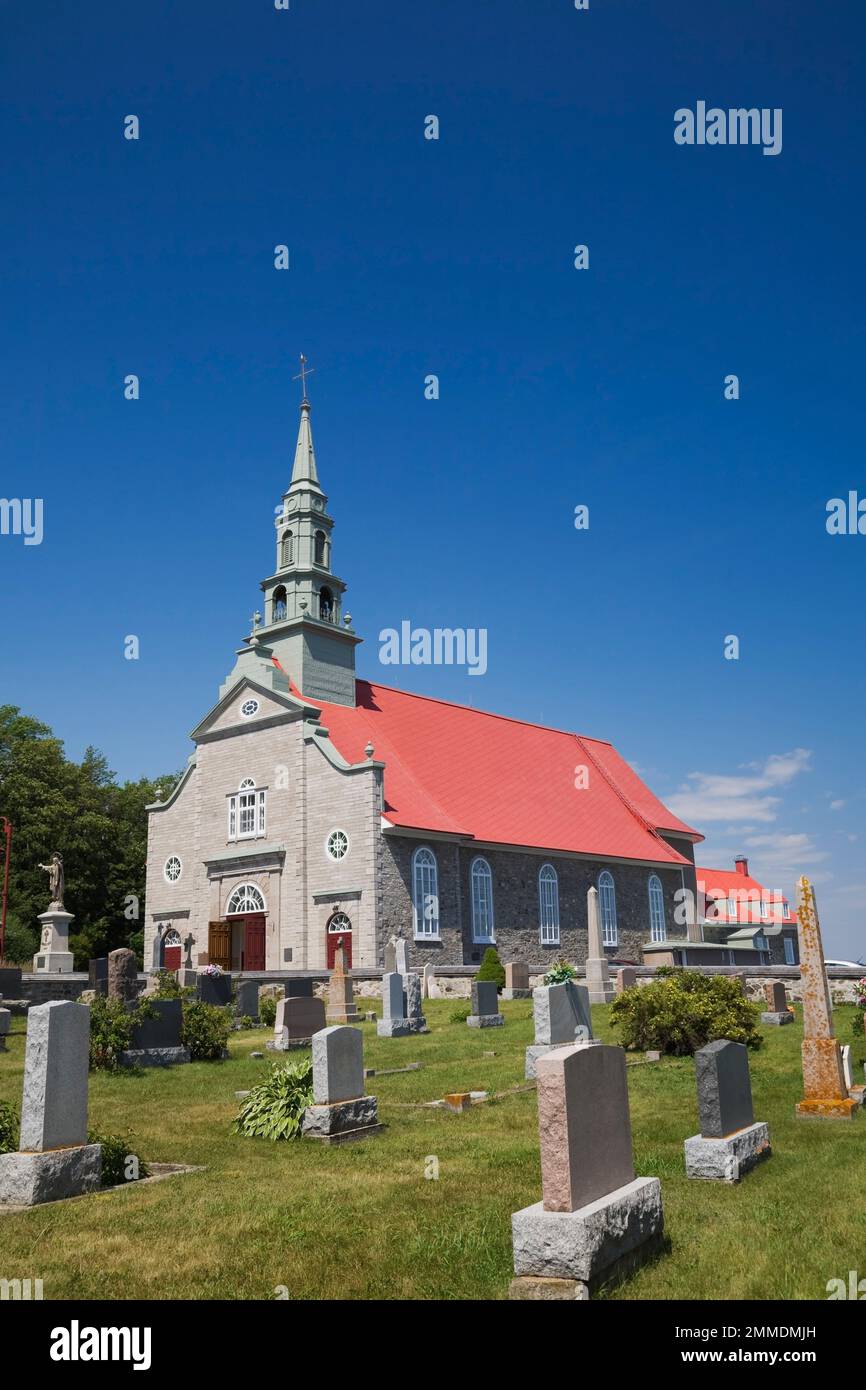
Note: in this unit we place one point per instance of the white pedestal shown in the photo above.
(54, 954)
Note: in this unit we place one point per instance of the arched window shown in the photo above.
(245, 898)
(279, 604)
(425, 893)
(326, 605)
(287, 548)
(607, 907)
(658, 929)
(247, 811)
(482, 901)
(548, 905)
(320, 553)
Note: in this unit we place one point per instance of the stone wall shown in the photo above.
(515, 905)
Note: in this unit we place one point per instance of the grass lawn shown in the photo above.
(361, 1221)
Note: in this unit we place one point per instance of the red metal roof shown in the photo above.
(456, 770)
(725, 883)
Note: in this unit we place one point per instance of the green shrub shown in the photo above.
(22, 943)
(460, 1015)
(683, 1010)
(110, 1033)
(116, 1153)
(167, 986)
(560, 973)
(267, 1011)
(206, 1029)
(491, 968)
(245, 1022)
(274, 1110)
(8, 1127)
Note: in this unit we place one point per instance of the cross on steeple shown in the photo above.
(302, 376)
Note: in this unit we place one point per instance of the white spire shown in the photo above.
(304, 470)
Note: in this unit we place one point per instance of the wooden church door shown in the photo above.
(254, 942)
(219, 944)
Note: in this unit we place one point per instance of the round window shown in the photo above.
(338, 844)
(249, 708)
(172, 869)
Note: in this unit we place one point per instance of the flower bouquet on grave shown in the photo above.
(213, 971)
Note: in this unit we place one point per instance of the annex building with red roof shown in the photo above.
(318, 806)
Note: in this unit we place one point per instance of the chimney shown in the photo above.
(741, 864)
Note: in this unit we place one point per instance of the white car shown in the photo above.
(846, 965)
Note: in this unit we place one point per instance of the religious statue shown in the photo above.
(56, 882)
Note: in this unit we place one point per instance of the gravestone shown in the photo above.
(55, 1159)
(5, 1025)
(341, 998)
(247, 1000)
(401, 1006)
(429, 985)
(340, 1110)
(517, 981)
(846, 1065)
(401, 956)
(297, 1020)
(122, 975)
(596, 1220)
(825, 1093)
(597, 969)
(10, 982)
(214, 989)
(777, 1012)
(414, 1007)
(730, 1143)
(562, 1016)
(390, 955)
(298, 989)
(97, 975)
(625, 979)
(485, 1006)
(156, 1039)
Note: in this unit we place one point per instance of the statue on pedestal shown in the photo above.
(56, 882)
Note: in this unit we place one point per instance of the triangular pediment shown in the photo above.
(234, 711)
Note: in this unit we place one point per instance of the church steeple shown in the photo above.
(304, 626)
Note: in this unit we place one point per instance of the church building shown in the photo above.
(317, 806)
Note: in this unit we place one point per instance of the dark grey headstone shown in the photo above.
(485, 998)
(724, 1088)
(214, 989)
(10, 982)
(97, 974)
(298, 989)
(163, 1030)
(298, 1018)
(247, 999)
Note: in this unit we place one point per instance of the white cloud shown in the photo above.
(745, 796)
(836, 805)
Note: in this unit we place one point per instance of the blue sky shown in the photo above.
(557, 386)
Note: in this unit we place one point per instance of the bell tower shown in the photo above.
(305, 626)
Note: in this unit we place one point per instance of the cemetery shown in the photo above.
(560, 1165)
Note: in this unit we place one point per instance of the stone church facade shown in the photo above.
(319, 807)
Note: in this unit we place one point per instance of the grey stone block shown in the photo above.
(54, 1108)
(586, 1243)
(394, 1027)
(26, 1179)
(325, 1121)
(162, 1029)
(777, 1020)
(154, 1057)
(412, 988)
(5, 1022)
(724, 1088)
(516, 994)
(727, 1159)
(247, 999)
(338, 1065)
(562, 1014)
(393, 998)
(485, 1020)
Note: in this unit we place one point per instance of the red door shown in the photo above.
(254, 943)
(172, 958)
(339, 932)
